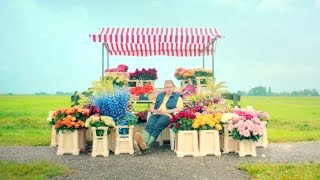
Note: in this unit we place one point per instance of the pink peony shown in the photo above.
(246, 133)
(241, 132)
(230, 127)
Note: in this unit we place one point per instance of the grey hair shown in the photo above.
(169, 82)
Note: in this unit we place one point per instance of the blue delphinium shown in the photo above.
(113, 104)
(126, 120)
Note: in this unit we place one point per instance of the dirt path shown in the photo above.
(162, 163)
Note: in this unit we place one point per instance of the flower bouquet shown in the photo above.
(70, 118)
(115, 105)
(144, 74)
(182, 121)
(183, 74)
(245, 126)
(210, 104)
(119, 79)
(204, 121)
(138, 90)
(141, 92)
(100, 121)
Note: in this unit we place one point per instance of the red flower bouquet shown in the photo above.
(141, 90)
(182, 121)
(144, 74)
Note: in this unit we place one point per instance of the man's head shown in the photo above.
(169, 86)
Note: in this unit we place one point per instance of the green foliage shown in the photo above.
(38, 170)
(216, 88)
(236, 135)
(185, 124)
(262, 91)
(100, 87)
(81, 98)
(282, 171)
(258, 91)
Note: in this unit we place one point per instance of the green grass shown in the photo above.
(38, 170)
(282, 171)
(292, 118)
(23, 118)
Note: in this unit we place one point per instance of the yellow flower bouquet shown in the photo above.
(205, 121)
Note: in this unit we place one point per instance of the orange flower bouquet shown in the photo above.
(70, 118)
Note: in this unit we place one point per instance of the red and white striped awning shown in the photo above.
(156, 41)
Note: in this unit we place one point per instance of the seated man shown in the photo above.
(166, 103)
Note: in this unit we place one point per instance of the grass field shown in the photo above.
(292, 118)
(38, 170)
(23, 118)
(282, 171)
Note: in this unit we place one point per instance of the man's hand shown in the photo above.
(160, 111)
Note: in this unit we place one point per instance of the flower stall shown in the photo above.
(207, 124)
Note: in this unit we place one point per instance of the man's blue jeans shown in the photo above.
(156, 124)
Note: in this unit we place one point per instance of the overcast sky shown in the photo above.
(45, 45)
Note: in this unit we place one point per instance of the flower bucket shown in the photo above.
(187, 143)
(54, 137)
(229, 144)
(121, 143)
(133, 83)
(100, 142)
(209, 143)
(69, 142)
(263, 141)
(247, 147)
(143, 97)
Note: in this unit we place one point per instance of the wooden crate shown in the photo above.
(121, 143)
(209, 143)
(186, 143)
(100, 143)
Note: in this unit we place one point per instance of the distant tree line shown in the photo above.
(59, 93)
(263, 91)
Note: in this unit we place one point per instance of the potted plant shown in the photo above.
(247, 128)
(96, 121)
(186, 140)
(208, 126)
(69, 126)
(114, 103)
(100, 127)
